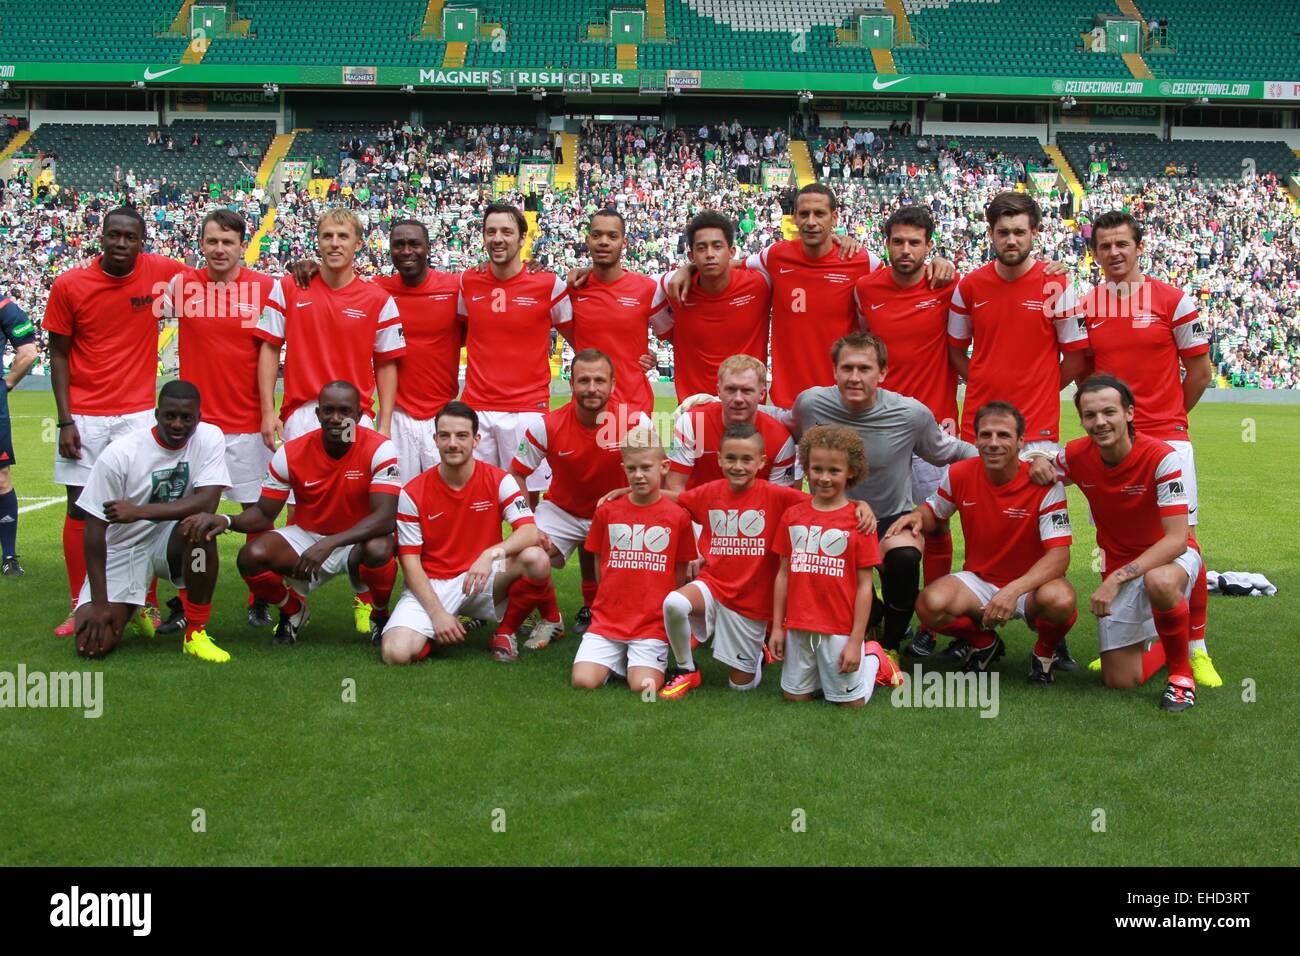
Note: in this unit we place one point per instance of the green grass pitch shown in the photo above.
(427, 759)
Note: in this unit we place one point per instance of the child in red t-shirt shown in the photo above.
(823, 592)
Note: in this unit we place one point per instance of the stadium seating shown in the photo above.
(1148, 156)
(550, 35)
(122, 31)
(1246, 40)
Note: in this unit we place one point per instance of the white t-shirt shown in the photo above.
(140, 469)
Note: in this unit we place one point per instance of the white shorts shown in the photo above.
(300, 540)
(925, 479)
(409, 612)
(1184, 448)
(984, 591)
(1130, 620)
(737, 640)
(304, 420)
(1042, 446)
(96, 432)
(128, 572)
(618, 656)
(247, 459)
(567, 532)
(812, 662)
(417, 451)
(501, 433)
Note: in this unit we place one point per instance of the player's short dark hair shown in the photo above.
(458, 409)
(1001, 408)
(742, 431)
(1011, 203)
(1101, 382)
(608, 213)
(506, 209)
(710, 219)
(1113, 219)
(860, 342)
(817, 189)
(125, 212)
(918, 217)
(592, 355)
(341, 383)
(410, 222)
(227, 220)
(180, 390)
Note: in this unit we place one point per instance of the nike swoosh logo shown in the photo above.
(875, 306)
(877, 85)
(979, 304)
(437, 516)
(151, 75)
(563, 453)
(1098, 324)
(583, 298)
(968, 504)
(312, 484)
(477, 297)
(784, 271)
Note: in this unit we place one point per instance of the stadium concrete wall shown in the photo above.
(104, 117)
(1289, 136)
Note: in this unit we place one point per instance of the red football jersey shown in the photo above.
(330, 335)
(711, 328)
(639, 548)
(736, 538)
(826, 551)
(218, 351)
(113, 359)
(811, 307)
(1007, 528)
(913, 324)
(332, 494)
(1140, 338)
(615, 318)
(586, 463)
(449, 528)
(508, 335)
(1127, 501)
(697, 435)
(428, 377)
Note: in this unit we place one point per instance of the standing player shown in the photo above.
(1147, 333)
(1135, 490)
(428, 377)
(1017, 548)
(453, 559)
(581, 442)
(697, 432)
(103, 330)
(344, 479)
(16, 329)
(643, 543)
(339, 328)
(508, 314)
(216, 309)
(140, 500)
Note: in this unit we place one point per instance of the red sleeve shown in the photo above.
(788, 497)
(781, 540)
(596, 537)
(166, 266)
(689, 500)
(685, 538)
(58, 310)
(867, 550)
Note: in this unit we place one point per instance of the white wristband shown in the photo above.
(229, 521)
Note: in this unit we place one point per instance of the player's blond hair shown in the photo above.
(340, 215)
(835, 438)
(739, 364)
(642, 438)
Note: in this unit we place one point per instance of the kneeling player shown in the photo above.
(449, 538)
(1017, 548)
(139, 489)
(823, 591)
(643, 543)
(1135, 490)
(344, 479)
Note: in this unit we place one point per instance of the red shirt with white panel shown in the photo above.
(1007, 528)
(330, 335)
(508, 335)
(826, 551)
(812, 307)
(614, 317)
(332, 494)
(1020, 327)
(586, 463)
(738, 529)
(1140, 339)
(450, 527)
(428, 377)
(639, 548)
(1127, 500)
(697, 437)
(113, 324)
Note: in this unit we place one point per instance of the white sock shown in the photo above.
(677, 623)
(1197, 644)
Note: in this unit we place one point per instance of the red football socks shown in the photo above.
(74, 553)
(380, 581)
(1173, 626)
(938, 557)
(1050, 634)
(588, 593)
(196, 615)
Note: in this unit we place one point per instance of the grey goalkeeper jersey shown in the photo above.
(892, 430)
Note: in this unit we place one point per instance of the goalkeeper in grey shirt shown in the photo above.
(892, 428)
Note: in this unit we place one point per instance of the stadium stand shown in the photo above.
(122, 31)
(361, 32)
(550, 35)
(1133, 157)
(1249, 39)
